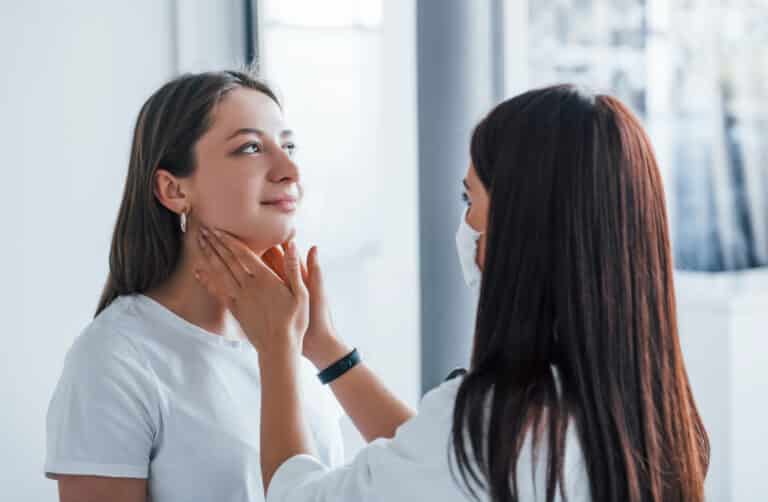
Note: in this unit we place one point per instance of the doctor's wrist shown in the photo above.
(324, 352)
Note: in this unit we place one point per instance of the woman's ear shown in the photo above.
(171, 191)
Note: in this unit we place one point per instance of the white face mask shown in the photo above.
(466, 245)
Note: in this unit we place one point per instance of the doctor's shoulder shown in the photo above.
(439, 404)
(432, 424)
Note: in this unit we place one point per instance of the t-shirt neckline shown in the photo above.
(168, 316)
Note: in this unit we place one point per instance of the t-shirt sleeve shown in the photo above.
(103, 416)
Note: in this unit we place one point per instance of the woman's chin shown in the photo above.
(287, 234)
(271, 237)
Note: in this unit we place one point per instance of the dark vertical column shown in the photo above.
(460, 75)
(251, 30)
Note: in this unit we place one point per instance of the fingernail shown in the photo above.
(217, 233)
(204, 230)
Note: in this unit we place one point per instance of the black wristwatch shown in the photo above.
(340, 367)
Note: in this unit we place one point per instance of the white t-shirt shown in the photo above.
(415, 465)
(146, 394)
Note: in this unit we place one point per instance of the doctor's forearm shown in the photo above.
(283, 431)
(375, 411)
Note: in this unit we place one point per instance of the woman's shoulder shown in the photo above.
(107, 341)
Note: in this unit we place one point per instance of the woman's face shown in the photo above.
(477, 199)
(246, 181)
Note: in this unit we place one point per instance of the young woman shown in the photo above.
(577, 388)
(159, 398)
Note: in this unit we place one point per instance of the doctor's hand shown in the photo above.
(272, 309)
(321, 345)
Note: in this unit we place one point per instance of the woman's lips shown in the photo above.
(283, 205)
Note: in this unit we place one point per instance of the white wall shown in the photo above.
(209, 35)
(73, 76)
(723, 325)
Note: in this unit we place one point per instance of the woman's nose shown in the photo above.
(285, 169)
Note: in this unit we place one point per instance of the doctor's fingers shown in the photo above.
(281, 250)
(234, 259)
(273, 258)
(246, 266)
(314, 278)
(294, 270)
(217, 272)
(215, 289)
(250, 263)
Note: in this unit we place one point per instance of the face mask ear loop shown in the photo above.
(466, 245)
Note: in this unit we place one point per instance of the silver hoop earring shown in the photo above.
(183, 222)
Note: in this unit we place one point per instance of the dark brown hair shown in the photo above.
(578, 276)
(146, 243)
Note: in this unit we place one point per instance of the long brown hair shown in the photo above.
(578, 276)
(146, 243)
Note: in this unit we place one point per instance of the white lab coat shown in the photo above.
(414, 465)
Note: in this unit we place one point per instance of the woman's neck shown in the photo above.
(187, 298)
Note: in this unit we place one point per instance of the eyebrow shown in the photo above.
(466, 185)
(258, 132)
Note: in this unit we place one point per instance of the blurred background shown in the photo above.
(383, 96)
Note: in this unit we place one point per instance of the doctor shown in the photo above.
(576, 387)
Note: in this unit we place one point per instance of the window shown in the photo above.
(696, 72)
(346, 70)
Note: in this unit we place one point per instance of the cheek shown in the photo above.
(480, 258)
(227, 196)
(482, 213)
(226, 201)
(234, 205)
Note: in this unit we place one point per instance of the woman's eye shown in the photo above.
(290, 148)
(250, 148)
(465, 198)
